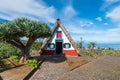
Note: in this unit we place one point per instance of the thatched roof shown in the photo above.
(56, 26)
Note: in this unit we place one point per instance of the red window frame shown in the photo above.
(59, 34)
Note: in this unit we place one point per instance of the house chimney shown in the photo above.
(58, 19)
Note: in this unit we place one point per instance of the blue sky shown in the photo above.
(93, 20)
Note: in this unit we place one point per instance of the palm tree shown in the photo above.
(81, 43)
(91, 48)
(92, 45)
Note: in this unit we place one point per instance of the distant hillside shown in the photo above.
(4, 20)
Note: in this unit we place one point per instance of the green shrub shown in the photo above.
(32, 62)
(7, 50)
(36, 46)
(16, 58)
(87, 53)
(111, 52)
(100, 52)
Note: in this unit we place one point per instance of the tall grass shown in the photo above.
(100, 52)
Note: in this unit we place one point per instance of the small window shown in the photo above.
(51, 45)
(67, 45)
(59, 34)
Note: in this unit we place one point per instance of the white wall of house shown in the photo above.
(65, 40)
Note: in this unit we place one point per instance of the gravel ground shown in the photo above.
(102, 68)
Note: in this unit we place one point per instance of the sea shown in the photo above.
(106, 45)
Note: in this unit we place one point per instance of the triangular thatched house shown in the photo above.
(59, 43)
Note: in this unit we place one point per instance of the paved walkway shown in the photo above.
(55, 67)
(103, 68)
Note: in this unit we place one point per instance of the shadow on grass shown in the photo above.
(5, 66)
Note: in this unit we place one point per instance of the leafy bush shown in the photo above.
(100, 52)
(7, 50)
(36, 46)
(111, 52)
(32, 62)
(16, 58)
(87, 53)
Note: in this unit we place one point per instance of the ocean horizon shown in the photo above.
(106, 45)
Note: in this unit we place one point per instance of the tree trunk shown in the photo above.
(25, 54)
(24, 48)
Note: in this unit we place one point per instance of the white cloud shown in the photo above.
(75, 30)
(85, 23)
(114, 14)
(118, 24)
(111, 1)
(26, 8)
(69, 11)
(116, 30)
(105, 24)
(99, 19)
(79, 30)
(108, 3)
(107, 36)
